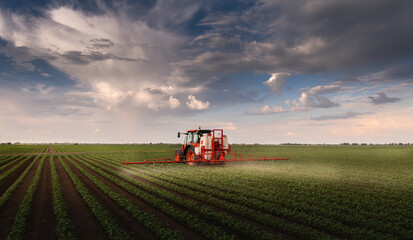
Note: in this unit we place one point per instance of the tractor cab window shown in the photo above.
(196, 138)
(193, 137)
(189, 138)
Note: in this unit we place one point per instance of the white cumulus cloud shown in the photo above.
(277, 82)
(318, 90)
(173, 102)
(196, 104)
(309, 102)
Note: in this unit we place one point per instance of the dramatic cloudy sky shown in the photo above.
(266, 71)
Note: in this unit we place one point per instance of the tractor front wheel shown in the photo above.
(178, 155)
(190, 156)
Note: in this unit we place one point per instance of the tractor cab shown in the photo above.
(193, 137)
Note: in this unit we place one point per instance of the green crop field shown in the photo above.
(322, 192)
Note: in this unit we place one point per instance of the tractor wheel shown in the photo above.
(178, 155)
(190, 156)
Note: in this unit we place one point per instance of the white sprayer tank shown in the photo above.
(206, 142)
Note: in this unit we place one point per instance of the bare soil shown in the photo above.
(5, 184)
(41, 221)
(9, 210)
(82, 219)
(240, 218)
(125, 221)
(229, 231)
(5, 160)
(185, 231)
(235, 216)
(9, 167)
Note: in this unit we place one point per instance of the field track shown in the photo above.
(102, 199)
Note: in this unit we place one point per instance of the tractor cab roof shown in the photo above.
(200, 131)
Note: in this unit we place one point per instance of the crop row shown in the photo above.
(332, 226)
(5, 159)
(285, 199)
(6, 195)
(10, 163)
(151, 195)
(146, 219)
(20, 221)
(203, 211)
(110, 148)
(265, 219)
(293, 213)
(65, 229)
(248, 205)
(337, 189)
(14, 149)
(104, 218)
(11, 170)
(317, 194)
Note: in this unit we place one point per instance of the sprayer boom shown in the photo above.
(203, 146)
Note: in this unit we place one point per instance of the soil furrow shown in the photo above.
(82, 218)
(10, 166)
(241, 218)
(12, 205)
(6, 160)
(232, 214)
(9, 180)
(238, 236)
(42, 222)
(126, 221)
(230, 232)
(186, 232)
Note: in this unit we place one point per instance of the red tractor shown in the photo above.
(203, 145)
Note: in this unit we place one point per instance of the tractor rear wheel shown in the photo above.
(178, 155)
(191, 156)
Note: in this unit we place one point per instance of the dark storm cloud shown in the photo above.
(20, 56)
(264, 37)
(83, 58)
(70, 111)
(345, 115)
(350, 32)
(101, 43)
(396, 72)
(381, 98)
(303, 37)
(154, 91)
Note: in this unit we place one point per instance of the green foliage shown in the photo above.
(6, 195)
(5, 159)
(20, 221)
(146, 219)
(17, 148)
(188, 219)
(10, 171)
(10, 163)
(351, 192)
(110, 148)
(107, 221)
(348, 191)
(65, 229)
